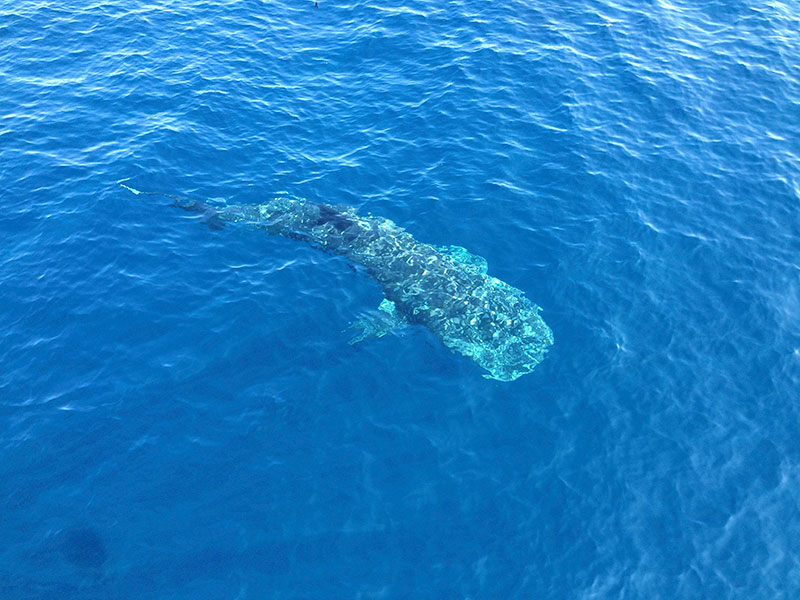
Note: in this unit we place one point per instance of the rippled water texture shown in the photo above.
(181, 415)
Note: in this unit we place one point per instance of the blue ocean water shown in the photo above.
(181, 416)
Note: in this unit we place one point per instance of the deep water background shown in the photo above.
(181, 416)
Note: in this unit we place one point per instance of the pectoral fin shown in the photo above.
(378, 323)
(462, 255)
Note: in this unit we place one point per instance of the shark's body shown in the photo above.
(445, 289)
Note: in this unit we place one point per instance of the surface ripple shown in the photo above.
(180, 413)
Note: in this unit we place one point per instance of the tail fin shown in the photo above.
(210, 215)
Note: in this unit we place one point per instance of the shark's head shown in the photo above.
(497, 327)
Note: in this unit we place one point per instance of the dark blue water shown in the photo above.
(181, 416)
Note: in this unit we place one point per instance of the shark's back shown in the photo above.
(446, 289)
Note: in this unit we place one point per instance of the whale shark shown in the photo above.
(445, 289)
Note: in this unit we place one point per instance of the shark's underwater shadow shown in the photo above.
(83, 547)
(62, 560)
(445, 289)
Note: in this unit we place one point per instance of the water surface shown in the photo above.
(180, 411)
